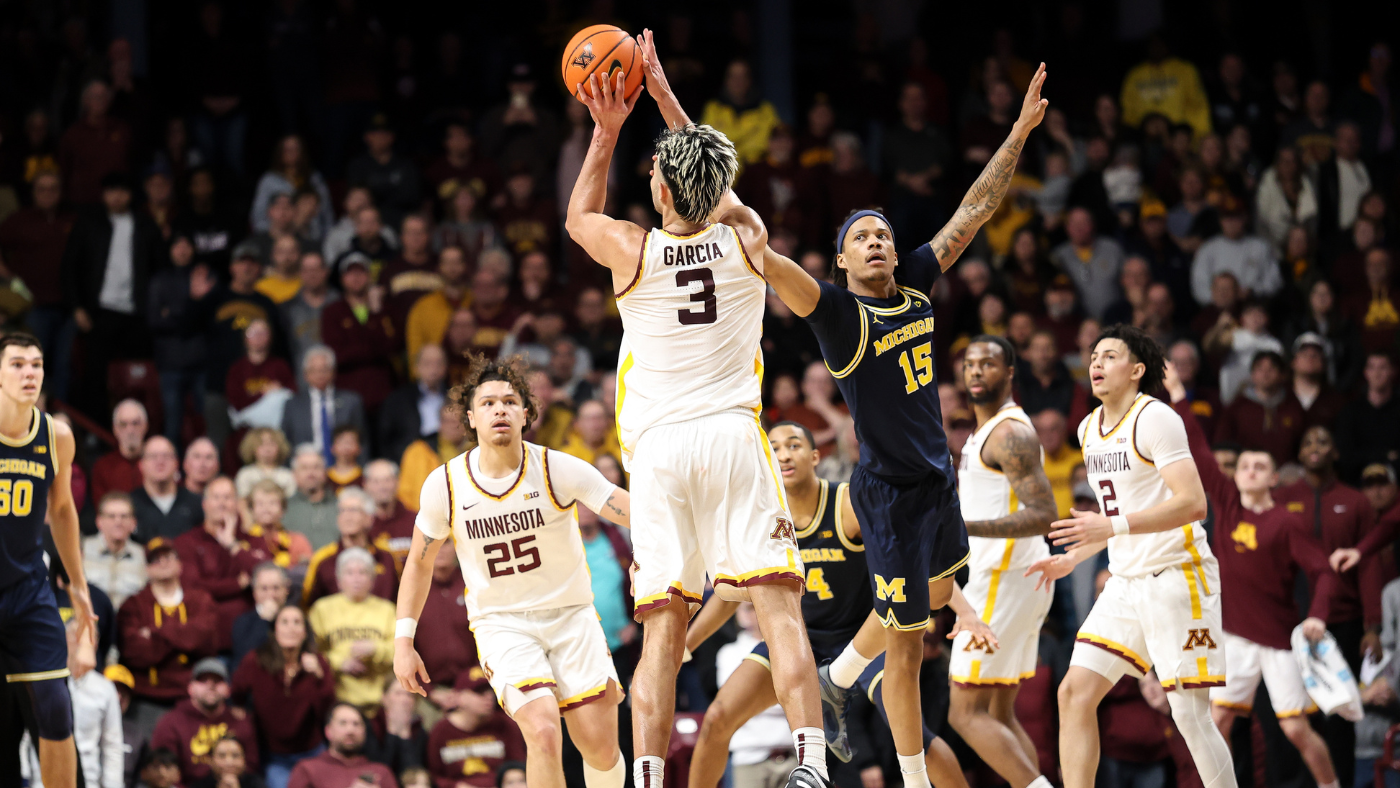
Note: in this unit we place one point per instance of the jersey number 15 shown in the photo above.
(920, 373)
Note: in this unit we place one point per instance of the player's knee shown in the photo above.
(542, 733)
(1298, 731)
(53, 708)
(718, 722)
(1073, 696)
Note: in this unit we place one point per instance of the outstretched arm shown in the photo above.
(982, 199)
(612, 242)
(671, 110)
(1015, 449)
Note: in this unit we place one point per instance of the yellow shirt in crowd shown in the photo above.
(339, 622)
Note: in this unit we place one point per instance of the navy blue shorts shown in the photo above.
(913, 534)
(32, 636)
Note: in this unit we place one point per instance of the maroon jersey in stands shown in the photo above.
(320, 575)
(395, 532)
(1259, 554)
(292, 714)
(331, 770)
(448, 646)
(1337, 516)
(456, 756)
(161, 644)
(226, 576)
(191, 735)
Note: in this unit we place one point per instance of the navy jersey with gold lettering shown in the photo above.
(838, 587)
(881, 352)
(27, 469)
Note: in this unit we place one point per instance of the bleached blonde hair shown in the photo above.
(698, 163)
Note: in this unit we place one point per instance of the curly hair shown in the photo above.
(485, 370)
(1144, 349)
(248, 447)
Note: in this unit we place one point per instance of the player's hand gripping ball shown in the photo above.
(603, 50)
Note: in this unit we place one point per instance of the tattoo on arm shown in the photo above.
(612, 506)
(978, 204)
(1017, 451)
(427, 540)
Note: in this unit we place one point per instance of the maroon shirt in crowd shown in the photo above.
(1131, 730)
(111, 472)
(331, 770)
(246, 382)
(448, 646)
(210, 566)
(395, 532)
(33, 242)
(473, 757)
(362, 351)
(320, 575)
(191, 735)
(1339, 516)
(1259, 555)
(161, 644)
(1386, 531)
(1276, 430)
(87, 153)
(291, 715)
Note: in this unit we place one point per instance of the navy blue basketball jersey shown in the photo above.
(27, 468)
(838, 587)
(881, 352)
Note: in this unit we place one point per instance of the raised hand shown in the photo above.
(1033, 107)
(657, 85)
(1171, 381)
(1050, 569)
(608, 106)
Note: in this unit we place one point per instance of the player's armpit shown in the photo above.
(614, 243)
(618, 509)
(1015, 448)
(793, 285)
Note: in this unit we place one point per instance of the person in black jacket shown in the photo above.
(177, 335)
(107, 283)
(410, 413)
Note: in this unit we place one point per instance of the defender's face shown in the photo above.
(797, 459)
(497, 414)
(867, 253)
(1112, 368)
(22, 373)
(985, 373)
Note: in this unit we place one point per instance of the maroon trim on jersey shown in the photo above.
(587, 699)
(534, 685)
(1136, 450)
(775, 576)
(637, 277)
(549, 486)
(519, 477)
(1115, 652)
(1196, 684)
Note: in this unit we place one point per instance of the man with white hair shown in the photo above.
(355, 628)
(354, 514)
(392, 528)
(119, 470)
(313, 415)
(311, 510)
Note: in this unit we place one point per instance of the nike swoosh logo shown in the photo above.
(1158, 572)
(468, 506)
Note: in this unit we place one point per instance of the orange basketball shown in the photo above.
(604, 50)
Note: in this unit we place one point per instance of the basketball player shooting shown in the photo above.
(36, 462)
(705, 489)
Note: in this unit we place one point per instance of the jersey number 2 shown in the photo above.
(705, 296)
(923, 362)
(504, 552)
(1109, 497)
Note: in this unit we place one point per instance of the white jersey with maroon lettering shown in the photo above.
(517, 538)
(692, 319)
(1122, 462)
(985, 494)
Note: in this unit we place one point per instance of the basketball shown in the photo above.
(603, 49)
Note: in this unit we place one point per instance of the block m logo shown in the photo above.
(890, 591)
(1198, 638)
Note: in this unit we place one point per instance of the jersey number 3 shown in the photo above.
(705, 296)
(923, 363)
(504, 551)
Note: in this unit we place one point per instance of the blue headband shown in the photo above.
(845, 228)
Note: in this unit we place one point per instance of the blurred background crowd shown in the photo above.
(257, 240)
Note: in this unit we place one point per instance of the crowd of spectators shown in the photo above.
(257, 358)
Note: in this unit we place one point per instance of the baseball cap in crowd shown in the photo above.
(472, 679)
(120, 674)
(353, 259)
(247, 250)
(1061, 282)
(1309, 338)
(1152, 208)
(157, 546)
(1377, 473)
(210, 666)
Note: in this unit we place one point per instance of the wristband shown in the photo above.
(405, 628)
(1120, 524)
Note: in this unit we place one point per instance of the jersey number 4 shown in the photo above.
(705, 296)
(920, 373)
(515, 548)
(816, 583)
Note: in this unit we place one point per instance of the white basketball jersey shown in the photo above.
(985, 494)
(520, 550)
(692, 319)
(1122, 463)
